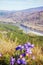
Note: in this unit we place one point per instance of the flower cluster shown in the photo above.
(21, 60)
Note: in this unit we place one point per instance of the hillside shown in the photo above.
(30, 17)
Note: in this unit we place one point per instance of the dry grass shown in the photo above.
(38, 54)
(7, 46)
(37, 51)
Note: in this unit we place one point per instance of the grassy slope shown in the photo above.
(14, 37)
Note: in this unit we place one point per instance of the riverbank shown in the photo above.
(30, 30)
(36, 33)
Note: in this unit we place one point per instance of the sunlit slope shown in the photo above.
(11, 36)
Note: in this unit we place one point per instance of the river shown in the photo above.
(29, 30)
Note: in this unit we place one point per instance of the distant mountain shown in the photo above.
(33, 9)
(29, 17)
(6, 12)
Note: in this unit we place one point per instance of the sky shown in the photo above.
(19, 4)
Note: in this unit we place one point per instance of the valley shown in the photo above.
(31, 18)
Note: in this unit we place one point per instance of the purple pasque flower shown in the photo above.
(28, 43)
(25, 46)
(18, 61)
(24, 61)
(32, 45)
(22, 47)
(12, 61)
(28, 51)
(19, 47)
(22, 55)
(21, 61)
